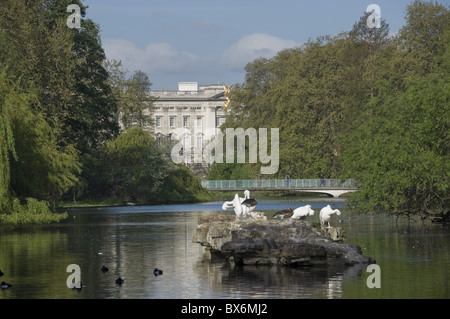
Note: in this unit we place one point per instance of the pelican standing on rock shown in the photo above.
(236, 205)
(249, 202)
(241, 206)
(302, 212)
(325, 214)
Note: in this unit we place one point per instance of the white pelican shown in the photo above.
(303, 212)
(235, 204)
(325, 214)
(249, 202)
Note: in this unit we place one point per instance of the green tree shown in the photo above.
(32, 163)
(44, 61)
(370, 41)
(116, 79)
(423, 39)
(92, 120)
(7, 150)
(303, 92)
(399, 153)
(135, 168)
(180, 185)
(136, 103)
(43, 169)
(37, 66)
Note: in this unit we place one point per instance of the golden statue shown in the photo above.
(227, 95)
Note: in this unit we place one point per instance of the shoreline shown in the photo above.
(215, 196)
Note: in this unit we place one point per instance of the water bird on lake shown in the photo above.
(302, 212)
(105, 269)
(119, 281)
(249, 202)
(241, 206)
(284, 214)
(325, 215)
(4, 285)
(1, 273)
(157, 272)
(236, 204)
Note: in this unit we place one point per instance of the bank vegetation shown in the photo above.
(364, 104)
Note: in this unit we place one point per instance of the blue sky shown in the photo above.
(212, 41)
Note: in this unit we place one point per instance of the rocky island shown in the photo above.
(258, 241)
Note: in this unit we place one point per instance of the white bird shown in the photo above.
(302, 212)
(239, 209)
(325, 214)
(249, 202)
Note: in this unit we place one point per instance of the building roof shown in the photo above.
(191, 91)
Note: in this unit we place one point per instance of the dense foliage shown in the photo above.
(37, 164)
(362, 105)
(59, 112)
(135, 169)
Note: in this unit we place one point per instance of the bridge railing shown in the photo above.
(277, 183)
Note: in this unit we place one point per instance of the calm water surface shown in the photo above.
(414, 257)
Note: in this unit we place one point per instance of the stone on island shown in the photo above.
(273, 242)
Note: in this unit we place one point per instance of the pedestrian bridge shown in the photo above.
(332, 187)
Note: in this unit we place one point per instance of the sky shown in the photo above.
(211, 42)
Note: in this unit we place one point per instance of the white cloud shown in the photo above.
(155, 58)
(254, 46)
(165, 65)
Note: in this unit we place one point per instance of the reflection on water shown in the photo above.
(132, 241)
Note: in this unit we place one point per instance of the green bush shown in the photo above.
(32, 212)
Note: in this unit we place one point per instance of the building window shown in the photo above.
(199, 142)
(171, 121)
(158, 122)
(185, 121)
(199, 121)
(187, 142)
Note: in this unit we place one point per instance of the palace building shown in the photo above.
(190, 114)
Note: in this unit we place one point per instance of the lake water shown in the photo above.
(414, 257)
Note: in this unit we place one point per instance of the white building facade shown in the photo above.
(190, 114)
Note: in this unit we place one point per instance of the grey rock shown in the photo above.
(273, 242)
